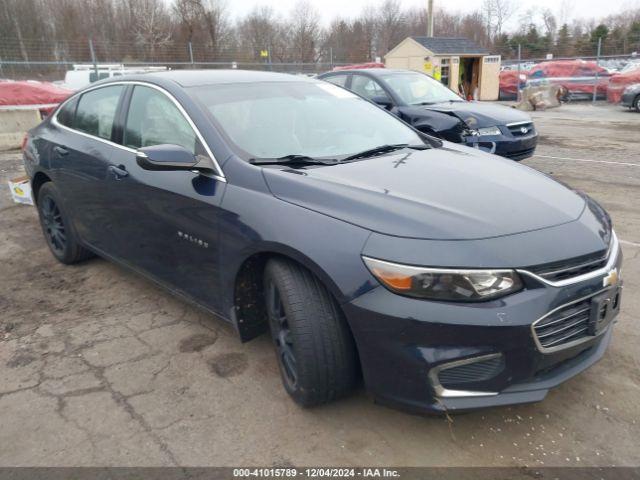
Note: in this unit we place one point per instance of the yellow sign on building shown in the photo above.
(264, 53)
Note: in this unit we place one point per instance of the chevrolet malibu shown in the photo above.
(447, 278)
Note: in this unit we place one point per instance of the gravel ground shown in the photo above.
(100, 367)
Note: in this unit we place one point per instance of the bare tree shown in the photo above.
(391, 25)
(260, 30)
(497, 13)
(152, 26)
(216, 24)
(304, 31)
(550, 23)
(565, 10)
(189, 14)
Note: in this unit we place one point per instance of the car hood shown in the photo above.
(480, 115)
(451, 193)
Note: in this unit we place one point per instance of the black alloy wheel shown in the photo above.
(53, 226)
(281, 335)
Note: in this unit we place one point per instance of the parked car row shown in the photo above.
(578, 77)
(445, 277)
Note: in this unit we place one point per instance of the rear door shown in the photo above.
(167, 221)
(79, 159)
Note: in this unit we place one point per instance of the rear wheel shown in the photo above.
(636, 103)
(58, 230)
(315, 350)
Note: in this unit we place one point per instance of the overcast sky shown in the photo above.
(349, 8)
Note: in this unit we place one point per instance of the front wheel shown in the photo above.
(636, 103)
(315, 350)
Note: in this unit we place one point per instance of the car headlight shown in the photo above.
(489, 131)
(459, 285)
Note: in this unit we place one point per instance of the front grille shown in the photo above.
(572, 267)
(565, 325)
(472, 372)
(517, 129)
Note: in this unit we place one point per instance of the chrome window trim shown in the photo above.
(579, 341)
(613, 259)
(54, 120)
(447, 393)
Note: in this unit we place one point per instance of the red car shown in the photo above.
(577, 76)
(44, 96)
(509, 83)
(619, 82)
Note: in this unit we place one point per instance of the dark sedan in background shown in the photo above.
(631, 97)
(447, 277)
(432, 108)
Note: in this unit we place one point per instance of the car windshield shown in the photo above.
(313, 119)
(419, 89)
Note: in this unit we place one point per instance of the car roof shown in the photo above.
(377, 72)
(192, 78)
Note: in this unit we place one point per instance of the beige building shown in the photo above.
(459, 63)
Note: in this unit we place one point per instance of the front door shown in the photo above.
(167, 221)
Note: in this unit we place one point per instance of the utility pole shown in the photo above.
(519, 97)
(595, 85)
(93, 58)
(430, 18)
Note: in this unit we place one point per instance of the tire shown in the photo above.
(636, 103)
(57, 228)
(315, 350)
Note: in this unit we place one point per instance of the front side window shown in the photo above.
(316, 119)
(418, 89)
(367, 87)
(96, 111)
(154, 119)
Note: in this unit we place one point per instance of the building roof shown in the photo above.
(451, 45)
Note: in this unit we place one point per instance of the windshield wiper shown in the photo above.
(384, 149)
(293, 159)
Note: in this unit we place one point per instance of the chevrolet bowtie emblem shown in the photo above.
(611, 278)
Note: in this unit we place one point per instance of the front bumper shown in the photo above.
(506, 145)
(403, 341)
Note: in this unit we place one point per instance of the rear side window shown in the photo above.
(67, 112)
(96, 111)
(340, 80)
(154, 119)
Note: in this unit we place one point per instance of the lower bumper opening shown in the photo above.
(456, 379)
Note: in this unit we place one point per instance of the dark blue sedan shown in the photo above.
(432, 108)
(447, 278)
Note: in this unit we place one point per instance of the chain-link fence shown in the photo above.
(42, 60)
(535, 59)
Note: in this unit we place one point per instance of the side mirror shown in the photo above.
(166, 157)
(383, 101)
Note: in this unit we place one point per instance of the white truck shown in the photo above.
(84, 74)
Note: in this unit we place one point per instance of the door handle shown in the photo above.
(60, 150)
(119, 172)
